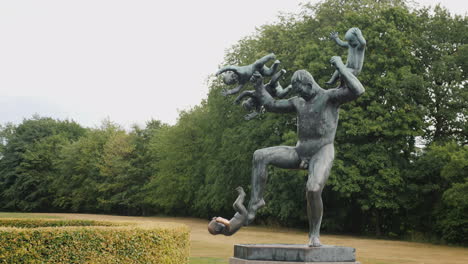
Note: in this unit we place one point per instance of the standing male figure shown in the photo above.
(317, 112)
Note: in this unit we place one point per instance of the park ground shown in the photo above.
(208, 249)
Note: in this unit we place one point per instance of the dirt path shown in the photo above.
(369, 251)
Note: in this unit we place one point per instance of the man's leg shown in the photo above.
(319, 169)
(282, 156)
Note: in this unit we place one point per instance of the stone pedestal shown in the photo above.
(290, 254)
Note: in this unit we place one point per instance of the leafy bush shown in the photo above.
(76, 241)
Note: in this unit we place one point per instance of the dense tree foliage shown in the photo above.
(401, 166)
(28, 167)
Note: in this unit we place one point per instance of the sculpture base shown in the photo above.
(286, 253)
(243, 261)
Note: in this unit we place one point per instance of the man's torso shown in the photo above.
(317, 120)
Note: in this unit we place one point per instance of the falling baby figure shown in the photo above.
(219, 225)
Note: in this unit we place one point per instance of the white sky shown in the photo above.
(128, 61)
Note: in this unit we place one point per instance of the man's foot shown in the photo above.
(330, 82)
(314, 242)
(253, 210)
(258, 205)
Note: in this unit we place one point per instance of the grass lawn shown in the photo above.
(27, 215)
(199, 260)
(208, 249)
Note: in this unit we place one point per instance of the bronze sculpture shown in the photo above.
(317, 119)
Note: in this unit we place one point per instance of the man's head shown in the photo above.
(304, 84)
(230, 77)
(215, 228)
(351, 37)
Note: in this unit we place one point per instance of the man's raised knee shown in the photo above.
(314, 188)
(259, 155)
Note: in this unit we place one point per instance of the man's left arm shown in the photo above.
(272, 105)
(353, 87)
(362, 41)
(276, 106)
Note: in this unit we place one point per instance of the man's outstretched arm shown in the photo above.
(280, 93)
(266, 100)
(276, 106)
(353, 87)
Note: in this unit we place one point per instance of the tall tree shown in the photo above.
(27, 166)
(440, 50)
(79, 184)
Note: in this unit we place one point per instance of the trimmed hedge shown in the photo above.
(84, 241)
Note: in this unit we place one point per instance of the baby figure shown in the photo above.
(219, 225)
(242, 74)
(356, 46)
(273, 87)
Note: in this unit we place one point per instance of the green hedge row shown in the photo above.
(78, 241)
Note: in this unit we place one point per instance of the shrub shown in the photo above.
(83, 241)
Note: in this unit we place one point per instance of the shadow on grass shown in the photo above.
(208, 261)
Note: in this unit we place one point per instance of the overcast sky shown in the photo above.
(128, 61)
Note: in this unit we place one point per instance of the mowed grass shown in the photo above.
(208, 249)
(27, 215)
